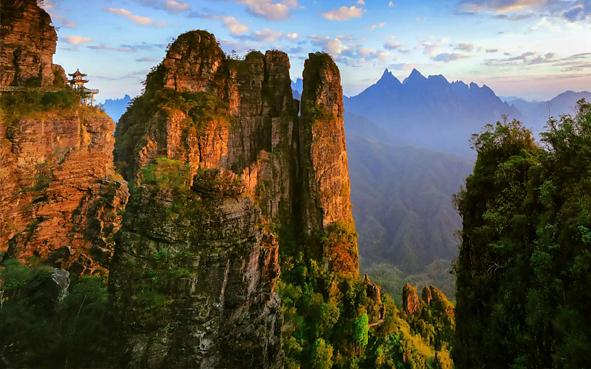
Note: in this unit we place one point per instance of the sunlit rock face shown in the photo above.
(251, 165)
(27, 46)
(60, 199)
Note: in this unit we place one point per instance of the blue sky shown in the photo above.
(528, 48)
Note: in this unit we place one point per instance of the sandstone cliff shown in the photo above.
(193, 276)
(27, 46)
(58, 198)
(201, 113)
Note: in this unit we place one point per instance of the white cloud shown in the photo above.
(146, 59)
(174, 7)
(292, 36)
(343, 13)
(464, 46)
(390, 4)
(374, 26)
(269, 9)
(446, 57)
(75, 40)
(333, 46)
(360, 2)
(234, 25)
(392, 45)
(105, 47)
(137, 19)
(266, 35)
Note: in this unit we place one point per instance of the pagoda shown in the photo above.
(77, 83)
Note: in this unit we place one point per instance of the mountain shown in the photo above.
(364, 127)
(116, 107)
(402, 203)
(430, 111)
(536, 113)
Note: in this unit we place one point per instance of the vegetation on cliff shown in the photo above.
(523, 270)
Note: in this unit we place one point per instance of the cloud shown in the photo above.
(234, 25)
(269, 9)
(464, 46)
(266, 35)
(332, 46)
(430, 48)
(343, 13)
(390, 4)
(360, 2)
(374, 26)
(498, 6)
(446, 57)
(175, 7)
(144, 46)
(491, 51)
(527, 58)
(392, 45)
(137, 19)
(292, 36)
(402, 66)
(75, 40)
(146, 59)
(567, 10)
(105, 47)
(237, 46)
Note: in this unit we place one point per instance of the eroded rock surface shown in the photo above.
(27, 46)
(57, 190)
(193, 277)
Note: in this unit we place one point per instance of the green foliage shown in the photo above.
(523, 271)
(332, 321)
(34, 103)
(167, 173)
(39, 330)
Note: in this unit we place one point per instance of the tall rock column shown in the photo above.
(324, 172)
(27, 46)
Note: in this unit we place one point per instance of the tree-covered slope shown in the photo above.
(523, 273)
(402, 202)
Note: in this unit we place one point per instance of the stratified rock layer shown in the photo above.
(55, 189)
(215, 117)
(27, 46)
(192, 280)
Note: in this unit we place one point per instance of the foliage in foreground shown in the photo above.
(40, 331)
(524, 270)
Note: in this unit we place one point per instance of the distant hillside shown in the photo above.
(430, 112)
(116, 107)
(402, 202)
(536, 113)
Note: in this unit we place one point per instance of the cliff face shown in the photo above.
(58, 200)
(205, 113)
(193, 278)
(27, 46)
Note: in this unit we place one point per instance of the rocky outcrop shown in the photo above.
(426, 295)
(59, 200)
(232, 128)
(27, 46)
(193, 277)
(410, 299)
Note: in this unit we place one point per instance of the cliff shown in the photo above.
(27, 46)
(58, 198)
(217, 119)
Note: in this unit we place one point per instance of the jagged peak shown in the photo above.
(437, 78)
(388, 77)
(415, 76)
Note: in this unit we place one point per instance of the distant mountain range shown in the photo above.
(116, 107)
(402, 206)
(435, 113)
(537, 112)
(430, 112)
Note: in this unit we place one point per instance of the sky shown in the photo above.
(533, 49)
